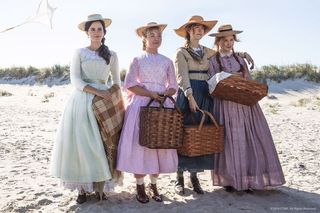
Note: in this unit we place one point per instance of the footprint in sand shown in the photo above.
(39, 194)
(57, 195)
(21, 198)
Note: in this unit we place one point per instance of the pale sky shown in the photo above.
(276, 32)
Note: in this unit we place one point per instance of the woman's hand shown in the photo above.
(238, 74)
(156, 96)
(249, 60)
(101, 93)
(104, 94)
(193, 104)
(170, 92)
(246, 75)
(243, 74)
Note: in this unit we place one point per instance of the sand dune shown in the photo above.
(30, 116)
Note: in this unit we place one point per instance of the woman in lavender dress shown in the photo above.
(150, 75)
(249, 160)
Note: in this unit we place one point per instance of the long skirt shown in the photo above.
(250, 158)
(201, 95)
(78, 156)
(137, 159)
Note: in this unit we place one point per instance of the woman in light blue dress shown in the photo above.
(78, 156)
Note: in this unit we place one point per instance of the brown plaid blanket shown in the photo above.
(110, 115)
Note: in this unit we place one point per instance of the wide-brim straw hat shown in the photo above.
(95, 17)
(181, 31)
(225, 30)
(141, 30)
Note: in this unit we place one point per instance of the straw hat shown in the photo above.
(95, 17)
(140, 31)
(181, 31)
(225, 30)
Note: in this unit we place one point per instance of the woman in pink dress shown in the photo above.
(150, 75)
(250, 159)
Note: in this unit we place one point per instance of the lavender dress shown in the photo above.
(154, 72)
(249, 159)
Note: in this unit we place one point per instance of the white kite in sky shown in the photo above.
(43, 15)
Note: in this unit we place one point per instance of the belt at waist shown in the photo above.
(198, 76)
(198, 71)
(95, 81)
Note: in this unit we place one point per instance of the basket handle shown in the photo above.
(162, 103)
(151, 100)
(173, 101)
(204, 113)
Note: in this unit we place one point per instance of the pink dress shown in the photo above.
(154, 72)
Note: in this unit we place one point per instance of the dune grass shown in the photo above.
(308, 72)
(281, 73)
(5, 93)
(274, 108)
(40, 75)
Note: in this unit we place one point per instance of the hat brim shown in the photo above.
(142, 29)
(226, 33)
(181, 31)
(106, 21)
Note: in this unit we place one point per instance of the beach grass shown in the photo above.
(281, 73)
(61, 73)
(5, 93)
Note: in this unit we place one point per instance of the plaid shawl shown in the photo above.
(110, 115)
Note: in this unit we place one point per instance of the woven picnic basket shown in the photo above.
(161, 127)
(237, 89)
(202, 139)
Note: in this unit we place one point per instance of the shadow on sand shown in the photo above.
(282, 199)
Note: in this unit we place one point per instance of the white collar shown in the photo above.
(226, 54)
(196, 49)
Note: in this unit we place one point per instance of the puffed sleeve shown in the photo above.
(241, 60)
(132, 77)
(114, 68)
(172, 82)
(182, 73)
(244, 64)
(75, 71)
(213, 66)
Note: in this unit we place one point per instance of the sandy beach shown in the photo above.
(29, 118)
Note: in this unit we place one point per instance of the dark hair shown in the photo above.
(103, 50)
(189, 27)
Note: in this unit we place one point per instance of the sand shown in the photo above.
(29, 119)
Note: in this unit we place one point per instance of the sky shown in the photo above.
(278, 32)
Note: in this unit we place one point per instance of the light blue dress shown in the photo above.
(78, 156)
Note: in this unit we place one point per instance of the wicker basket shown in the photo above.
(237, 89)
(160, 127)
(202, 139)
